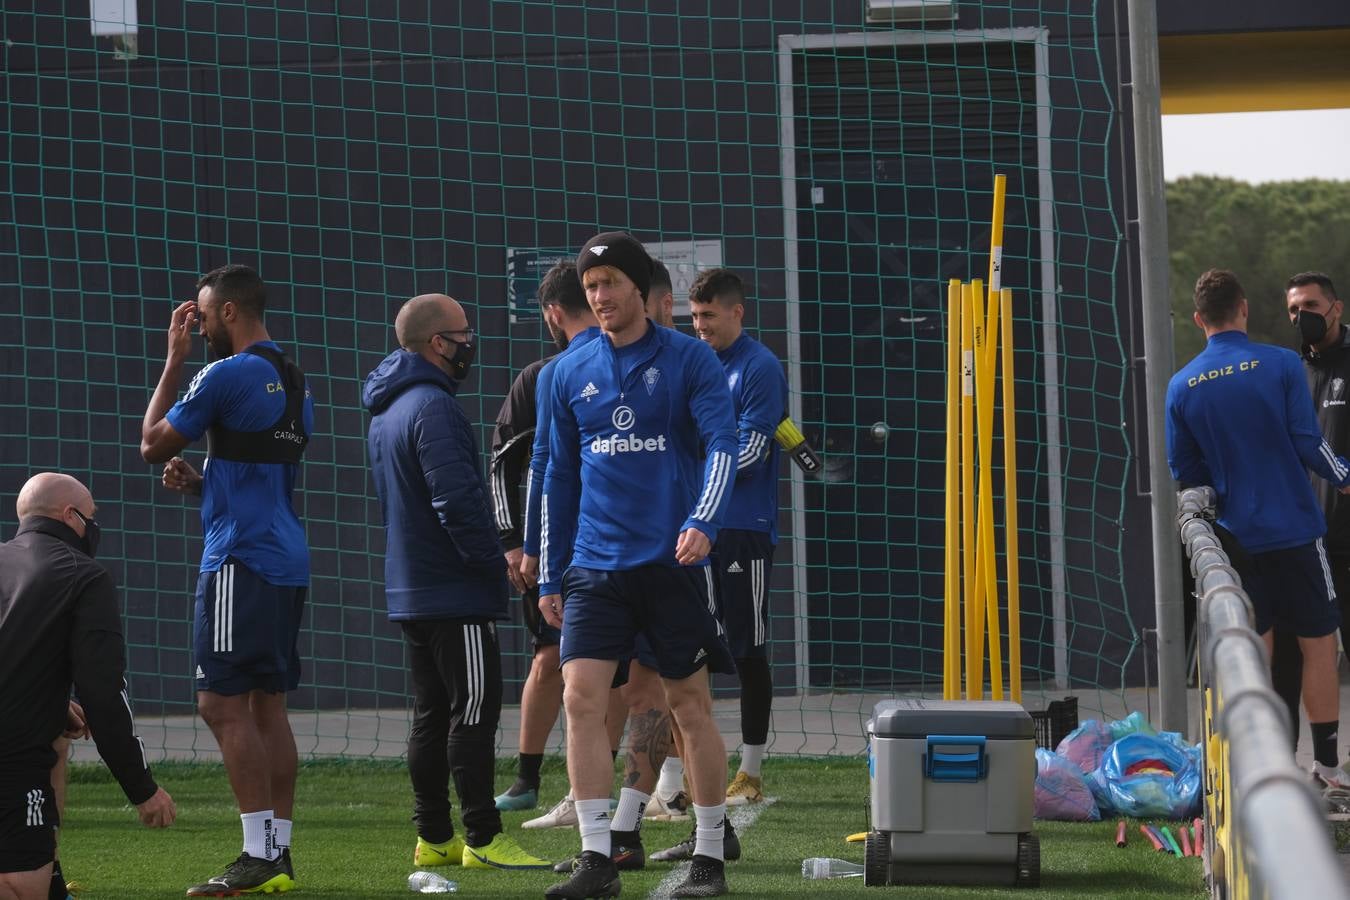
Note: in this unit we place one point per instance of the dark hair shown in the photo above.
(561, 285)
(1303, 279)
(660, 278)
(722, 285)
(1217, 296)
(238, 284)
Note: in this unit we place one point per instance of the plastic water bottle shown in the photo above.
(821, 867)
(431, 883)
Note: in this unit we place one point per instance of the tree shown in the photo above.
(1264, 233)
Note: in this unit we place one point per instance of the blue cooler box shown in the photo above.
(952, 794)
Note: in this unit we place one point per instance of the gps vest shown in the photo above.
(285, 440)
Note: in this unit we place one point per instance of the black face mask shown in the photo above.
(460, 361)
(1312, 327)
(91, 534)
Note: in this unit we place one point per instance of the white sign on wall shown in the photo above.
(685, 259)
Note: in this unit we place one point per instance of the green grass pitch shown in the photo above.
(354, 838)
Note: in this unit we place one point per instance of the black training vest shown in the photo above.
(285, 441)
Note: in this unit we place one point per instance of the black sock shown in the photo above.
(756, 699)
(527, 774)
(57, 891)
(1324, 741)
(626, 838)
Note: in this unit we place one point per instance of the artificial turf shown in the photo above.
(353, 838)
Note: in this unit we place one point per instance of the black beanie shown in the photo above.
(622, 251)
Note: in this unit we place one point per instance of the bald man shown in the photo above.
(445, 581)
(60, 625)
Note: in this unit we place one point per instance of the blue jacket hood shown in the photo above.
(396, 373)
(442, 557)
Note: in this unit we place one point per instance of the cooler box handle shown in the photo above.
(970, 766)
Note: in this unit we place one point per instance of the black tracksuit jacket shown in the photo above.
(60, 626)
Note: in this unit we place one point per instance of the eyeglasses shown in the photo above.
(467, 332)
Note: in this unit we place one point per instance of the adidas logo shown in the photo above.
(700, 654)
(599, 249)
(589, 391)
(200, 673)
(734, 568)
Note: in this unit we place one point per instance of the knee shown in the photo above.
(544, 669)
(688, 705)
(643, 698)
(584, 705)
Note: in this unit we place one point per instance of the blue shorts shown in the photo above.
(244, 631)
(744, 560)
(604, 612)
(1291, 589)
(642, 653)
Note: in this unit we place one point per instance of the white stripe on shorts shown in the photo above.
(1326, 571)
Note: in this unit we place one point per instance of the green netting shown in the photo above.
(363, 153)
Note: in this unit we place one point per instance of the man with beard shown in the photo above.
(641, 448)
(562, 305)
(255, 407)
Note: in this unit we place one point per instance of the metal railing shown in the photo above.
(1266, 832)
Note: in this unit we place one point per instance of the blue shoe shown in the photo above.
(509, 802)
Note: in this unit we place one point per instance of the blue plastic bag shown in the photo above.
(1062, 793)
(1087, 744)
(1145, 775)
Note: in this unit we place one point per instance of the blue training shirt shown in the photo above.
(543, 421)
(759, 392)
(626, 471)
(246, 507)
(1240, 419)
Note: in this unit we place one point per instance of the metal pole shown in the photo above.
(787, 155)
(1158, 358)
(1054, 466)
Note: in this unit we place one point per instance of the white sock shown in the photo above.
(258, 834)
(593, 823)
(671, 781)
(281, 833)
(751, 756)
(632, 803)
(708, 830)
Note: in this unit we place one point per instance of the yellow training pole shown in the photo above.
(987, 548)
(1010, 517)
(996, 238)
(951, 607)
(974, 660)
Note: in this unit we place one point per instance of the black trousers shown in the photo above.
(457, 685)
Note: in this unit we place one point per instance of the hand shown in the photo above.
(181, 477)
(551, 608)
(692, 547)
(77, 726)
(513, 569)
(1344, 490)
(529, 570)
(181, 326)
(158, 811)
